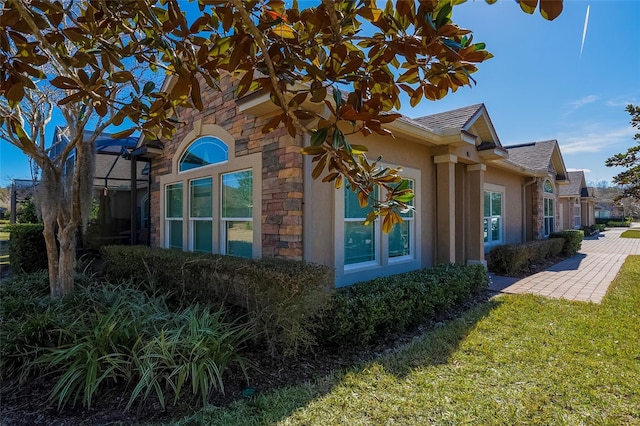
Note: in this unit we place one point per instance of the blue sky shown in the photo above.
(539, 85)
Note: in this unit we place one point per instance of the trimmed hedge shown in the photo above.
(621, 224)
(572, 240)
(283, 297)
(27, 249)
(515, 259)
(385, 305)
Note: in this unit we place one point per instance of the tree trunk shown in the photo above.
(67, 259)
(52, 258)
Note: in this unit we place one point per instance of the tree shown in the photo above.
(310, 59)
(629, 180)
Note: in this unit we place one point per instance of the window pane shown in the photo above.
(399, 239)
(237, 194)
(550, 207)
(202, 152)
(174, 200)
(486, 230)
(487, 203)
(239, 238)
(352, 207)
(175, 234)
(203, 236)
(548, 188)
(359, 242)
(495, 229)
(201, 198)
(496, 204)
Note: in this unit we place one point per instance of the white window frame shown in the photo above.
(223, 219)
(168, 220)
(548, 198)
(577, 214)
(382, 263)
(244, 162)
(192, 219)
(492, 188)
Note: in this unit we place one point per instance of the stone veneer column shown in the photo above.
(446, 208)
(282, 191)
(475, 214)
(537, 209)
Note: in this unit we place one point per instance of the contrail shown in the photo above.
(584, 31)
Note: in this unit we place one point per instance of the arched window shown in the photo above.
(549, 208)
(203, 152)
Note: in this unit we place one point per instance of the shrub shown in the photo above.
(572, 241)
(620, 224)
(376, 308)
(106, 335)
(282, 297)
(509, 259)
(27, 250)
(555, 247)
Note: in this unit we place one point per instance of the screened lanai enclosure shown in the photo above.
(120, 213)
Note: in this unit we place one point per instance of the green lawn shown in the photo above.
(631, 233)
(519, 359)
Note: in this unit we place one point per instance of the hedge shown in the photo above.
(572, 240)
(283, 297)
(27, 249)
(516, 259)
(374, 309)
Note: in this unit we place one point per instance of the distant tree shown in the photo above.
(27, 212)
(629, 180)
(297, 55)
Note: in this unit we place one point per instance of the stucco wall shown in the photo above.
(514, 222)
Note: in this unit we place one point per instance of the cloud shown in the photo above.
(577, 104)
(598, 140)
(579, 170)
(584, 30)
(621, 101)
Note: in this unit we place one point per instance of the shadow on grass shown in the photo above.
(432, 347)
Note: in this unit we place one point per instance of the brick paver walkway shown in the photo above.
(584, 277)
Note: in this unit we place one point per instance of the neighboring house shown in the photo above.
(222, 186)
(577, 203)
(608, 210)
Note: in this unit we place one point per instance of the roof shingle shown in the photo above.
(454, 119)
(533, 155)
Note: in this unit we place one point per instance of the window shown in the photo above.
(549, 208)
(201, 215)
(173, 216)
(359, 239)
(577, 216)
(237, 213)
(365, 251)
(493, 197)
(203, 152)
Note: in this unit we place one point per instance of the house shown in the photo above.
(577, 203)
(609, 210)
(222, 186)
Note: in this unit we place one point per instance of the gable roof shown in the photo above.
(538, 156)
(454, 119)
(576, 186)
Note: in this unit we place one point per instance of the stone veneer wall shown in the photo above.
(282, 165)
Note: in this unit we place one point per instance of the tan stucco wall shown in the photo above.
(320, 198)
(513, 203)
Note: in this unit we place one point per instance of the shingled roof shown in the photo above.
(574, 188)
(454, 119)
(533, 155)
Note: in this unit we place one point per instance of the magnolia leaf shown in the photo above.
(149, 86)
(272, 124)
(528, 6)
(550, 9)
(359, 149)
(15, 94)
(317, 170)
(312, 150)
(123, 134)
(319, 136)
(284, 30)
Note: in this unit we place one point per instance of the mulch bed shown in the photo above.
(28, 404)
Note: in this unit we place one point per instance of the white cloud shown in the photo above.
(578, 170)
(621, 101)
(598, 140)
(577, 104)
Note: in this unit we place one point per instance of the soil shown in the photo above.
(28, 404)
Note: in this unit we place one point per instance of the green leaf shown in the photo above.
(318, 137)
(149, 87)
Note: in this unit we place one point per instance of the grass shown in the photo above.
(518, 359)
(631, 233)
